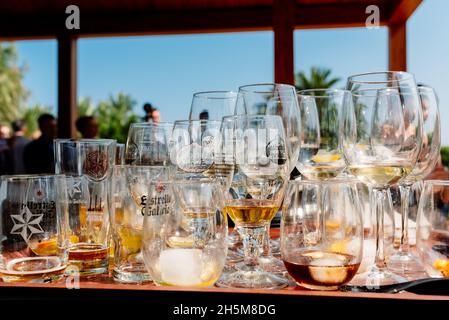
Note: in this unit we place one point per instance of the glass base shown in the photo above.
(88, 259)
(33, 270)
(376, 278)
(404, 263)
(252, 280)
(268, 264)
(275, 245)
(234, 256)
(130, 275)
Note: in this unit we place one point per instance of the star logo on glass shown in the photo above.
(26, 224)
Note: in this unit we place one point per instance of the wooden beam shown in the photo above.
(397, 45)
(403, 10)
(49, 24)
(283, 26)
(67, 100)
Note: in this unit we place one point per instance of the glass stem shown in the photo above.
(379, 198)
(404, 190)
(321, 215)
(252, 238)
(266, 252)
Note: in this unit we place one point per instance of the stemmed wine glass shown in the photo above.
(281, 100)
(404, 260)
(381, 140)
(148, 144)
(212, 105)
(256, 193)
(320, 156)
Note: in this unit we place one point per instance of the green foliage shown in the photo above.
(319, 78)
(30, 117)
(113, 115)
(445, 156)
(86, 107)
(13, 94)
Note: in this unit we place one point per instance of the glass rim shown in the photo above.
(209, 95)
(252, 116)
(19, 177)
(340, 180)
(426, 89)
(304, 93)
(376, 92)
(437, 182)
(84, 141)
(352, 78)
(196, 121)
(151, 124)
(122, 166)
(246, 88)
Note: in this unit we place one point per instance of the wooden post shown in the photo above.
(283, 26)
(67, 100)
(397, 43)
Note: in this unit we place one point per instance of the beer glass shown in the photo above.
(33, 220)
(88, 164)
(129, 185)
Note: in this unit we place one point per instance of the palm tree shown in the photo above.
(13, 94)
(318, 79)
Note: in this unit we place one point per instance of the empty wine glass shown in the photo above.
(320, 157)
(410, 187)
(381, 140)
(274, 99)
(148, 143)
(212, 105)
(256, 193)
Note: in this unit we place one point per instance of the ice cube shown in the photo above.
(181, 267)
(328, 270)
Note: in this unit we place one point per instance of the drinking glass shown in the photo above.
(185, 244)
(129, 189)
(321, 109)
(148, 143)
(322, 247)
(87, 164)
(432, 236)
(195, 145)
(212, 105)
(256, 193)
(281, 100)
(120, 154)
(33, 223)
(381, 140)
(410, 187)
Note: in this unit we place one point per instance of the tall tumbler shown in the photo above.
(88, 165)
(33, 220)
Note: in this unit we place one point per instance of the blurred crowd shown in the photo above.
(22, 155)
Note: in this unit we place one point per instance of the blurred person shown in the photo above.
(87, 126)
(204, 115)
(17, 145)
(38, 155)
(4, 149)
(152, 114)
(156, 115)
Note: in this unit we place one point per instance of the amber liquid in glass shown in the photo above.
(251, 212)
(321, 270)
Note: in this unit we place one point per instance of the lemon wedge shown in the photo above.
(326, 157)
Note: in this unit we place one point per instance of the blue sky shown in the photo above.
(167, 70)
